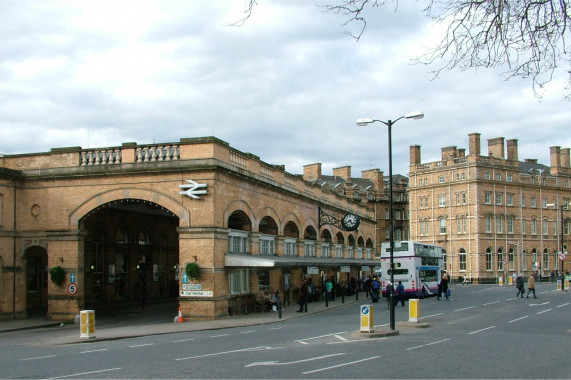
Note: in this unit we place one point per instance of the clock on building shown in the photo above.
(350, 222)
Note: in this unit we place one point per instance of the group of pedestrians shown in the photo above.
(520, 287)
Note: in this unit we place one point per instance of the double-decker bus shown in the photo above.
(418, 265)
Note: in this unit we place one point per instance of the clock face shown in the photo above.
(350, 222)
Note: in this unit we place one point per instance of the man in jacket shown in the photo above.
(531, 285)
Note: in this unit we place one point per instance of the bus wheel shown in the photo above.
(423, 293)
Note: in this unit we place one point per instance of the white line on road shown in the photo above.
(302, 341)
(274, 328)
(490, 303)
(275, 362)
(544, 311)
(88, 352)
(518, 319)
(260, 348)
(219, 336)
(247, 332)
(565, 304)
(477, 331)
(85, 373)
(465, 308)
(141, 345)
(182, 340)
(340, 365)
(39, 357)
(539, 304)
(428, 344)
(340, 337)
(430, 316)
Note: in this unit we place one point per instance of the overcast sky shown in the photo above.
(287, 86)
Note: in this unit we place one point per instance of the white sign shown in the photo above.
(192, 189)
(562, 256)
(72, 289)
(345, 269)
(191, 286)
(196, 293)
(312, 270)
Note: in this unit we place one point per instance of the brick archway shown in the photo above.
(163, 200)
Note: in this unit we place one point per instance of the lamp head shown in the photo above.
(414, 115)
(364, 121)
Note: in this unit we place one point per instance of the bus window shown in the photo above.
(398, 272)
(429, 261)
(428, 275)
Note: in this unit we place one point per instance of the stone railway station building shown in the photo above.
(125, 222)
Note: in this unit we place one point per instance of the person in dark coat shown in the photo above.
(400, 293)
(444, 285)
(520, 287)
(302, 300)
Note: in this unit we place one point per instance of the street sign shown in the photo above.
(562, 256)
(72, 278)
(505, 261)
(72, 289)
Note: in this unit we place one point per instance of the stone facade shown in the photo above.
(123, 222)
(486, 209)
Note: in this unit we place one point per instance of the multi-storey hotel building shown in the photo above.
(493, 214)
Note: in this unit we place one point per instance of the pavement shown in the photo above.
(131, 321)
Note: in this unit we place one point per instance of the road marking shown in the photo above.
(340, 337)
(247, 332)
(491, 303)
(565, 304)
(340, 365)
(141, 345)
(511, 299)
(518, 319)
(465, 308)
(85, 373)
(88, 352)
(260, 348)
(544, 311)
(302, 341)
(275, 362)
(219, 336)
(274, 328)
(39, 357)
(477, 331)
(539, 304)
(182, 340)
(430, 316)
(428, 344)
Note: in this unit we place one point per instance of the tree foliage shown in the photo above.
(525, 38)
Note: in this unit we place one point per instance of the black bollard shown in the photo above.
(279, 308)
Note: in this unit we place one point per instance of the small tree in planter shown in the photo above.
(192, 271)
(57, 275)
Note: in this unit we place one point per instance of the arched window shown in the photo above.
(462, 259)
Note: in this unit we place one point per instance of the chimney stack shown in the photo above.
(474, 144)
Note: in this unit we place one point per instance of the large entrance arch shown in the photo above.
(131, 252)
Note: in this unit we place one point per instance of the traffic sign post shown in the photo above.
(367, 318)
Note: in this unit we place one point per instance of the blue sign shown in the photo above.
(184, 278)
(364, 310)
(72, 278)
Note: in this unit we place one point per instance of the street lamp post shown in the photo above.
(389, 124)
(561, 208)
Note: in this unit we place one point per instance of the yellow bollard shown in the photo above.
(367, 318)
(413, 310)
(87, 324)
(501, 281)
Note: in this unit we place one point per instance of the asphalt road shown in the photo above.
(483, 332)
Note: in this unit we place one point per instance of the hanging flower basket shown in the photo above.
(192, 271)
(57, 275)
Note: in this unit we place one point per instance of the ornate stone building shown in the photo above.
(372, 189)
(125, 222)
(493, 214)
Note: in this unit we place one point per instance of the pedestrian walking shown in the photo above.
(400, 293)
(520, 287)
(390, 290)
(531, 285)
(328, 289)
(303, 293)
(375, 288)
(444, 285)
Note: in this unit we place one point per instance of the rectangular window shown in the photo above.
(290, 246)
(441, 200)
(534, 226)
(325, 250)
(498, 177)
(238, 242)
(238, 282)
(523, 201)
(546, 260)
(488, 198)
(441, 179)
(462, 258)
(510, 200)
(463, 198)
(488, 224)
(500, 225)
(500, 261)
(533, 202)
(499, 198)
(487, 175)
(309, 248)
(488, 261)
(544, 203)
(442, 223)
(458, 199)
(545, 226)
(509, 178)
(349, 252)
(338, 250)
(510, 225)
(267, 244)
(523, 227)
